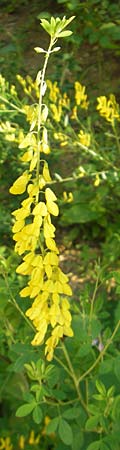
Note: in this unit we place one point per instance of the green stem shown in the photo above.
(81, 378)
(12, 104)
(14, 303)
(116, 136)
(74, 378)
(92, 302)
(40, 108)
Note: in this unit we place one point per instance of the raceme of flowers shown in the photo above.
(109, 108)
(34, 236)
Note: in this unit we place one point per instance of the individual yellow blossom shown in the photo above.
(46, 422)
(80, 96)
(56, 335)
(108, 108)
(53, 90)
(63, 144)
(19, 186)
(32, 439)
(56, 111)
(74, 115)
(52, 207)
(97, 180)
(65, 101)
(21, 442)
(84, 138)
(44, 145)
(62, 138)
(68, 197)
(5, 444)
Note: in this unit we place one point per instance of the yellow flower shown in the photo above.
(56, 111)
(84, 138)
(6, 444)
(22, 442)
(80, 96)
(68, 197)
(50, 202)
(97, 180)
(32, 439)
(108, 108)
(53, 91)
(19, 186)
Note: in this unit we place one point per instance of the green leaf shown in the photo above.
(71, 413)
(52, 425)
(103, 446)
(117, 367)
(25, 409)
(65, 432)
(37, 414)
(46, 25)
(64, 33)
(92, 422)
(100, 387)
(39, 50)
(94, 446)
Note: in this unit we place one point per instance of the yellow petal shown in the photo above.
(19, 186)
(18, 226)
(24, 269)
(67, 289)
(39, 337)
(41, 209)
(52, 208)
(25, 292)
(49, 229)
(51, 259)
(49, 195)
(48, 270)
(50, 243)
(46, 173)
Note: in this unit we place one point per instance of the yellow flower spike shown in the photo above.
(19, 186)
(33, 229)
